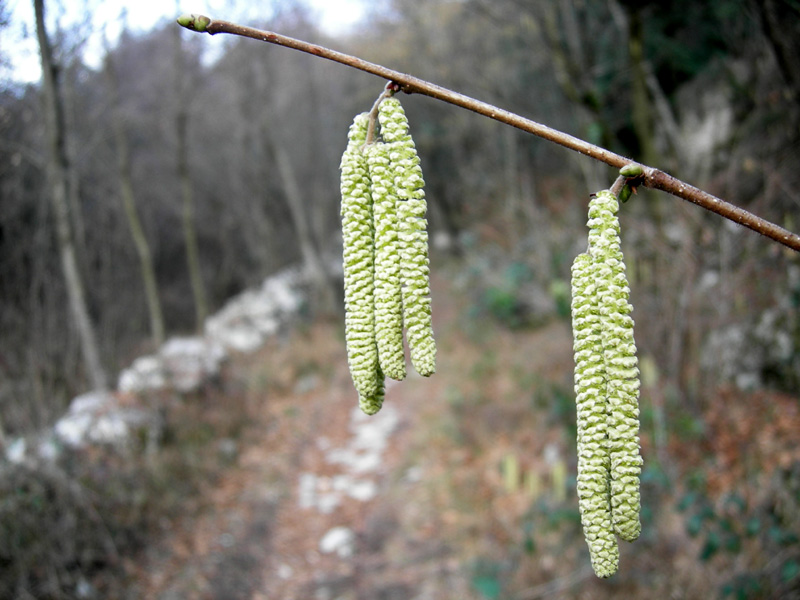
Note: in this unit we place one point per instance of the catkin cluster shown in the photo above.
(386, 267)
(607, 390)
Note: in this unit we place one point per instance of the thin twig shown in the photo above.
(617, 186)
(653, 178)
(388, 92)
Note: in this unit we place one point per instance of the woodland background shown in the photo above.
(708, 91)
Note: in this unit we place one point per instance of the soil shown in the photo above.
(462, 486)
(315, 504)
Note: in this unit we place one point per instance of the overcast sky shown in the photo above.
(19, 40)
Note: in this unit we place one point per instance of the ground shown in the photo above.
(309, 465)
(463, 485)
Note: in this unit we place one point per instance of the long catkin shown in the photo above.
(619, 355)
(388, 304)
(358, 261)
(606, 389)
(412, 235)
(593, 481)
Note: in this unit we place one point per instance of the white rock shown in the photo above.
(96, 417)
(238, 339)
(354, 460)
(15, 453)
(49, 448)
(364, 453)
(307, 490)
(362, 490)
(246, 320)
(285, 571)
(340, 540)
(190, 361)
(90, 402)
(73, 428)
(85, 590)
(413, 474)
(280, 289)
(111, 428)
(145, 373)
(327, 502)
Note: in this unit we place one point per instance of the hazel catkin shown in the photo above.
(606, 389)
(358, 262)
(593, 482)
(412, 235)
(619, 355)
(388, 305)
(386, 267)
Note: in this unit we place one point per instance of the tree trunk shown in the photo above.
(184, 177)
(58, 175)
(129, 204)
(780, 20)
(189, 233)
(315, 269)
(641, 108)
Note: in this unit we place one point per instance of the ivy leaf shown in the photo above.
(694, 525)
(790, 570)
(488, 586)
(753, 526)
(711, 546)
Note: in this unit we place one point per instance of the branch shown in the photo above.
(652, 178)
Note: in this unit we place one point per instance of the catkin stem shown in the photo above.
(388, 92)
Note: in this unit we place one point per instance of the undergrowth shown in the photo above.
(72, 528)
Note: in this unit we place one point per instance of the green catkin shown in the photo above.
(412, 235)
(388, 305)
(619, 357)
(372, 404)
(358, 261)
(593, 483)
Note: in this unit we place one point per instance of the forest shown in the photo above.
(140, 196)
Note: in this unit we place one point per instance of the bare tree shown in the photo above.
(780, 20)
(129, 203)
(58, 168)
(187, 195)
(312, 261)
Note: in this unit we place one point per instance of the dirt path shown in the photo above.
(322, 502)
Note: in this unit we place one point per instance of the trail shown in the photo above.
(323, 502)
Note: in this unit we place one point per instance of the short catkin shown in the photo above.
(593, 483)
(358, 260)
(388, 305)
(619, 355)
(412, 235)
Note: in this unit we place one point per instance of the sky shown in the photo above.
(19, 40)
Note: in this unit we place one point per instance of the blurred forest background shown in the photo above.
(194, 167)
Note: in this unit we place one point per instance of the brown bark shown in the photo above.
(187, 195)
(129, 204)
(641, 109)
(58, 169)
(315, 269)
(781, 23)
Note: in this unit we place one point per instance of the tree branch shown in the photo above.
(652, 178)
